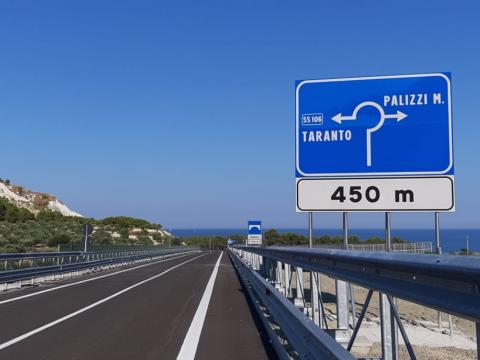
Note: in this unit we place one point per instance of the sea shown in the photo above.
(451, 240)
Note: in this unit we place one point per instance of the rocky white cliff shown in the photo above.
(33, 201)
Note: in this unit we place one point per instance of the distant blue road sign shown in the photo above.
(385, 125)
(254, 233)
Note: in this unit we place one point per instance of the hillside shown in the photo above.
(34, 221)
(33, 201)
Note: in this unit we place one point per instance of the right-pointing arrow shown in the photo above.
(399, 116)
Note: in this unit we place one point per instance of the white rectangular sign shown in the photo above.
(376, 194)
(254, 240)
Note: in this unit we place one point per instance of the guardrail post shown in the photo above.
(315, 291)
(283, 279)
(478, 341)
(278, 275)
(258, 262)
(266, 268)
(299, 293)
(273, 272)
(288, 281)
(351, 296)
(387, 325)
(342, 333)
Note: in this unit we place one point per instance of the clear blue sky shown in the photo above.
(182, 112)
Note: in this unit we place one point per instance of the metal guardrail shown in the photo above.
(447, 283)
(26, 266)
(100, 248)
(306, 340)
(413, 247)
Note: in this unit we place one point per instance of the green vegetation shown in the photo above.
(13, 214)
(216, 242)
(273, 237)
(128, 222)
(22, 230)
(466, 252)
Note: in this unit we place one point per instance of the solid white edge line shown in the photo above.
(86, 308)
(93, 278)
(190, 343)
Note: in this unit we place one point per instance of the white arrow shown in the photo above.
(339, 117)
(399, 116)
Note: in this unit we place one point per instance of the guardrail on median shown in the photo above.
(410, 247)
(446, 283)
(19, 267)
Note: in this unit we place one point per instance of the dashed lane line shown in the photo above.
(91, 279)
(91, 306)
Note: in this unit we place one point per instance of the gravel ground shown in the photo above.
(421, 324)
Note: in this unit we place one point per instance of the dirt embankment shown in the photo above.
(430, 341)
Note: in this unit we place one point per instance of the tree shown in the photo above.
(59, 239)
(102, 237)
(124, 234)
(144, 240)
(272, 237)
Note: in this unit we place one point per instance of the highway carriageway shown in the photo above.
(186, 307)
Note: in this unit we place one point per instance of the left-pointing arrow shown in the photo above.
(339, 118)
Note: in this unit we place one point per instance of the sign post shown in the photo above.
(87, 239)
(380, 144)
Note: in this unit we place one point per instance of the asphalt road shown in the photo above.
(148, 312)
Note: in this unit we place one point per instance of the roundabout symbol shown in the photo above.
(399, 116)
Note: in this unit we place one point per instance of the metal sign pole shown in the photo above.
(389, 328)
(314, 279)
(299, 300)
(388, 240)
(437, 233)
(350, 294)
(438, 250)
(310, 229)
(342, 332)
(85, 241)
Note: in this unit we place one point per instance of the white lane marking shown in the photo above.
(91, 306)
(190, 343)
(91, 279)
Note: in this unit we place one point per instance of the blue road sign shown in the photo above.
(254, 233)
(254, 228)
(384, 125)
